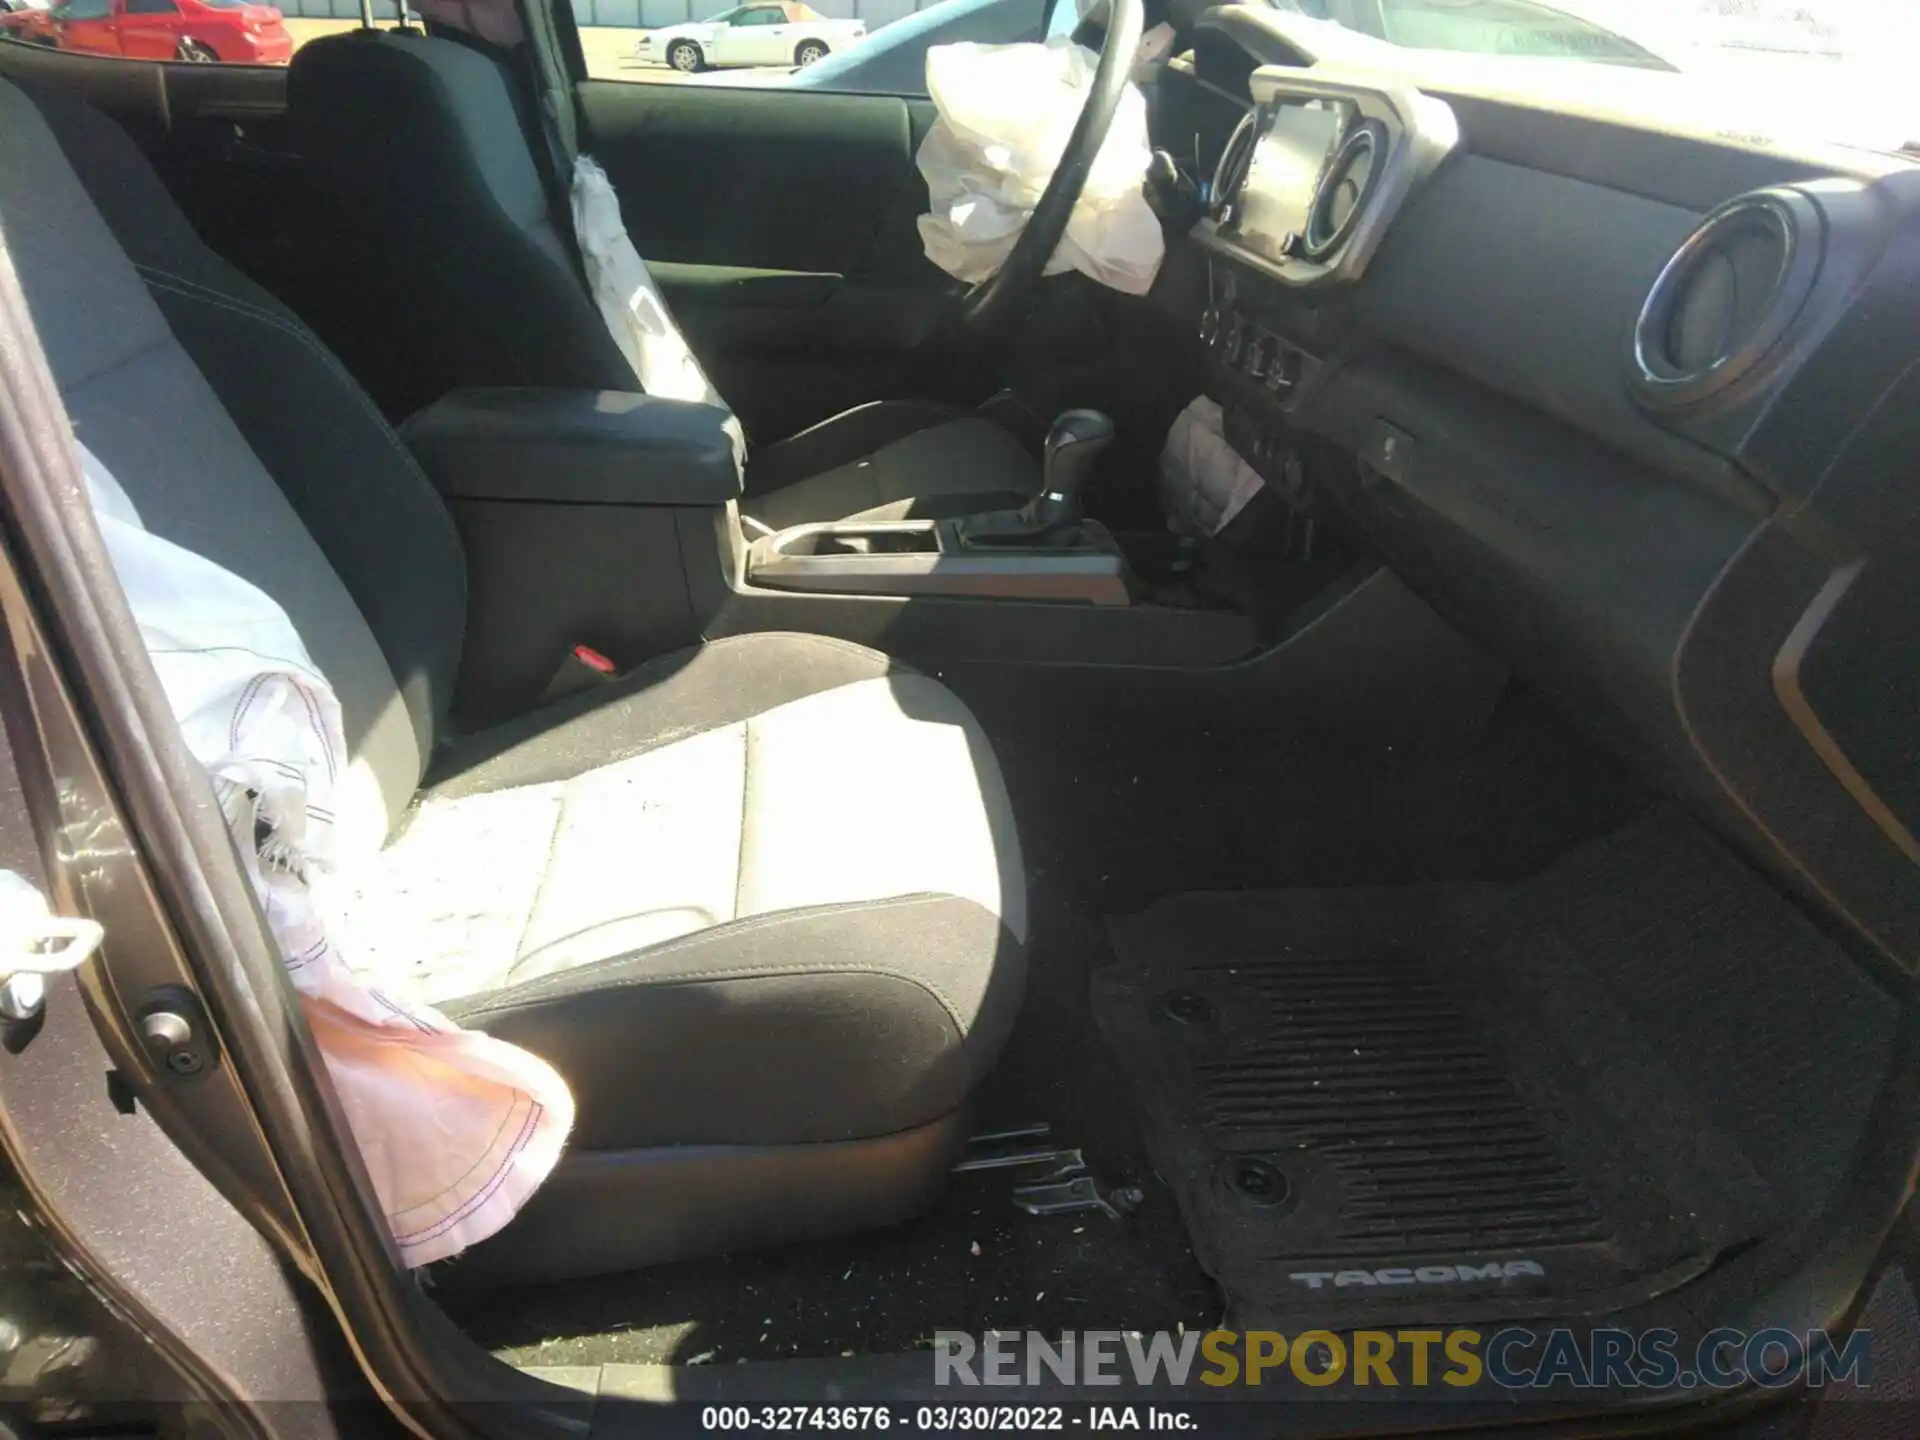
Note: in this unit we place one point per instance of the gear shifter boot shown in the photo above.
(1053, 516)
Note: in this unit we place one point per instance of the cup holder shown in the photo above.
(826, 540)
(921, 557)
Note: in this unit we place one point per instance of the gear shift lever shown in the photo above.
(1051, 519)
(1073, 444)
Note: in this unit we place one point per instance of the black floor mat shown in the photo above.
(1440, 1103)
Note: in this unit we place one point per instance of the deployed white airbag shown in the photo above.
(457, 1129)
(630, 301)
(1204, 483)
(1005, 114)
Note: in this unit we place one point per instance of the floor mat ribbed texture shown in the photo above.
(1436, 1104)
(1365, 1059)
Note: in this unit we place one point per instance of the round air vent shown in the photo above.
(1230, 174)
(1344, 187)
(1727, 298)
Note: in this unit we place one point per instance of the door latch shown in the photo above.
(36, 943)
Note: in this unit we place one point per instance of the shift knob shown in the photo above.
(1073, 444)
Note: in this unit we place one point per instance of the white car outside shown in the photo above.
(778, 32)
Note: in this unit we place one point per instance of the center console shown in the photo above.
(1045, 550)
(573, 508)
(603, 530)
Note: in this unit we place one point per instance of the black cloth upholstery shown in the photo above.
(847, 1010)
(345, 471)
(721, 683)
(454, 269)
(822, 1024)
(449, 252)
(826, 1023)
(958, 467)
(841, 440)
(715, 939)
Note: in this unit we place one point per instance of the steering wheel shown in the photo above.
(988, 302)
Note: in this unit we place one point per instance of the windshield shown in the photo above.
(1841, 70)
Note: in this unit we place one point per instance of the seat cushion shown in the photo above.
(768, 892)
(936, 471)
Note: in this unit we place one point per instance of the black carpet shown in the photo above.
(1468, 1103)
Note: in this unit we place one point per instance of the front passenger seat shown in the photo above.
(761, 903)
(459, 272)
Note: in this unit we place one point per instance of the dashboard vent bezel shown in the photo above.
(1371, 137)
(1797, 222)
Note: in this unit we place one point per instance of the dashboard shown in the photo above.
(1637, 407)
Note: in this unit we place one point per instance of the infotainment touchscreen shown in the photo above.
(1288, 160)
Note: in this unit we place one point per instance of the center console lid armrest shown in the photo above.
(583, 447)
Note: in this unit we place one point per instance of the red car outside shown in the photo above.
(192, 30)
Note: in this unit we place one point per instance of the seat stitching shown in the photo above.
(746, 790)
(160, 345)
(546, 872)
(753, 972)
(897, 670)
(549, 983)
(194, 290)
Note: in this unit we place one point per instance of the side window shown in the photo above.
(875, 47)
(152, 7)
(83, 10)
(1505, 27)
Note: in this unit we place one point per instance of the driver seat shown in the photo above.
(456, 270)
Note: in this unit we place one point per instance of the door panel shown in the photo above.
(782, 227)
(719, 175)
